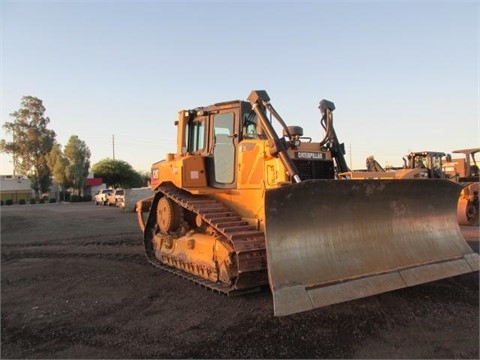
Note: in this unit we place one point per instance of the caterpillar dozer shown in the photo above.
(238, 207)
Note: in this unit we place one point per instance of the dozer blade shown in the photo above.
(330, 241)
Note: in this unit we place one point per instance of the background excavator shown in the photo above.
(237, 207)
(435, 165)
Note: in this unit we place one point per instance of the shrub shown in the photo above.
(87, 198)
(52, 200)
(1, 202)
(75, 198)
(9, 202)
(32, 201)
(22, 202)
(41, 201)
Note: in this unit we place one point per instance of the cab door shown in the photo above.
(224, 150)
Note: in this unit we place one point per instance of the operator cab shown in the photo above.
(214, 133)
(431, 161)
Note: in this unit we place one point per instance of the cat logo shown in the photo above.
(309, 155)
(155, 174)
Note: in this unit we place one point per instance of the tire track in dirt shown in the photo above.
(119, 247)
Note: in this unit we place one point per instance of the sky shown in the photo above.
(404, 75)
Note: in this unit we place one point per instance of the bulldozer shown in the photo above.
(237, 208)
(435, 165)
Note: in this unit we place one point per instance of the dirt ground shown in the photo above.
(76, 284)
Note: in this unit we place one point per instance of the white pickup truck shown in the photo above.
(116, 198)
(101, 197)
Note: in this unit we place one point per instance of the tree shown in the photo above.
(57, 162)
(78, 155)
(31, 143)
(146, 176)
(117, 173)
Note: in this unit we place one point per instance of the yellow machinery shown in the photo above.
(238, 207)
(466, 172)
(431, 165)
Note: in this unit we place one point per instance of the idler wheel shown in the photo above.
(169, 215)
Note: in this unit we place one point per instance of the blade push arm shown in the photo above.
(260, 102)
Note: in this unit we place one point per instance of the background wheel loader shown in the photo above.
(237, 207)
(466, 172)
(435, 165)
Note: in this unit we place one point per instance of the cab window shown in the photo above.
(196, 136)
(223, 124)
(249, 126)
(224, 148)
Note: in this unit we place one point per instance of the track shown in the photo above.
(247, 242)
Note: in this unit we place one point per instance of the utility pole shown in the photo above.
(113, 146)
(14, 158)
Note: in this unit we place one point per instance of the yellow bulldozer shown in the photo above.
(238, 207)
(435, 165)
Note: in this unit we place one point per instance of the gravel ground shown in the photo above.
(76, 284)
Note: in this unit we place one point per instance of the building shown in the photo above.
(92, 185)
(15, 188)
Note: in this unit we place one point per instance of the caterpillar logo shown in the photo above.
(309, 155)
(155, 174)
